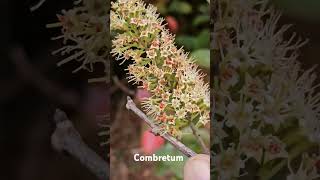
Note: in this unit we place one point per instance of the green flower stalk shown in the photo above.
(179, 95)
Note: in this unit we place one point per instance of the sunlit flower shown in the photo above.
(151, 54)
(181, 113)
(175, 103)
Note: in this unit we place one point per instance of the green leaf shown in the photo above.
(180, 7)
(204, 8)
(188, 42)
(202, 57)
(203, 39)
(201, 19)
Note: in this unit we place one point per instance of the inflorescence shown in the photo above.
(179, 95)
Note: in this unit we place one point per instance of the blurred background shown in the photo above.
(32, 87)
(305, 18)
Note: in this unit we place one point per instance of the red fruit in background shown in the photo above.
(172, 24)
(151, 143)
(317, 164)
(96, 100)
(142, 94)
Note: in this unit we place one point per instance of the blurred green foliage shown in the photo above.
(175, 167)
(193, 19)
(180, 7)
(192, 43)
(202, 57)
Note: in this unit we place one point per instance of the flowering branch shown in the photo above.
(155, 129)
(85, 34)
(179, 94)
(66, 138)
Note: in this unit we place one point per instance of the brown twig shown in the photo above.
(66, 138)
(29, 74)
(199, 139)
(177, 144)
(122, 87)
(37, 6)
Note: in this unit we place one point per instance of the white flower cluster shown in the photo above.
(179, 95)
(267, 107)
(85, 33)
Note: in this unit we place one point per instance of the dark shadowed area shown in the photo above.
(32, 87)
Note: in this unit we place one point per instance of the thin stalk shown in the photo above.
(199, 139)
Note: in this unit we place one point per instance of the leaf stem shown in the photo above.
(199, 139)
